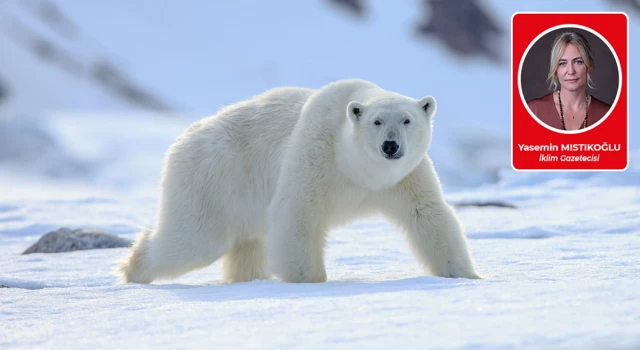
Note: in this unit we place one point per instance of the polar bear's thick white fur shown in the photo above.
(274, 174)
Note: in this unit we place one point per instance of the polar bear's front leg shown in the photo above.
(438, 241)
(296, 239)
(435, 234)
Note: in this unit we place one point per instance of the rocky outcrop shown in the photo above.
(66, 240)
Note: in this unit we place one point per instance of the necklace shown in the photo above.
(586, 111)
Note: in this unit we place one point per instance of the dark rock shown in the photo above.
(497, 204)
(4, 90)
(464, 26)
(632, 4)
(66, 240)
(355, 7)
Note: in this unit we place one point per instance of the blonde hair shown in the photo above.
(559, 44)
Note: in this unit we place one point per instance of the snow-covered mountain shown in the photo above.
(148, 62)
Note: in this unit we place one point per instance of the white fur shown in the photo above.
(270, 176)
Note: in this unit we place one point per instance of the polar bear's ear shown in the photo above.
(354, 110)
(428, 105)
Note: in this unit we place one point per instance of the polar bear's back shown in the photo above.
(256, 131)
(233, 158)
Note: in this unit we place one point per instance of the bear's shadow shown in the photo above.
(273, 289)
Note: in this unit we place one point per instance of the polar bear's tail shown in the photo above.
(135, 267)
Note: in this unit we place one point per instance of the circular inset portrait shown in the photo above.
(569, 79)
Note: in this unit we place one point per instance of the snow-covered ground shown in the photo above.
(562, 268)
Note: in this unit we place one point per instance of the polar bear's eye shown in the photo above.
(377, 122)
(407, 121)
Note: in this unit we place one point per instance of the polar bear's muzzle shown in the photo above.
(391, 150)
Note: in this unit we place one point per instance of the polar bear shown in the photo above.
(262, 182)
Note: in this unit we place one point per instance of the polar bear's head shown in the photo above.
(392, 132)
(392, 128)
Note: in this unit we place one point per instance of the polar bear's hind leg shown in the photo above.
(246, 261)
(163, 255)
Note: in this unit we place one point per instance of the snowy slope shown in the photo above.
(198, 56)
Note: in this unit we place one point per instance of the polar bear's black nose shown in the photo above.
(390, 147)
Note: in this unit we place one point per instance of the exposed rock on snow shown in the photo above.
(3, 90)
(66, 240)
(498, 204)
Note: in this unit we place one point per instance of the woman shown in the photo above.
(569, 106)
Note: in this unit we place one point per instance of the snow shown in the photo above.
(562, 268)
(560, 271)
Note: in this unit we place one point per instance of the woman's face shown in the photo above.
(572, 71)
